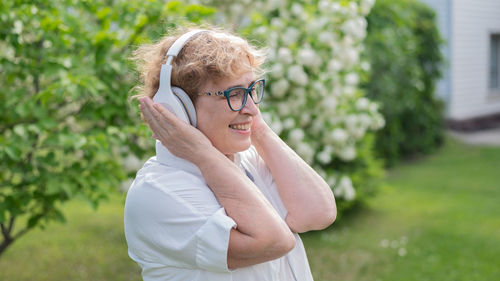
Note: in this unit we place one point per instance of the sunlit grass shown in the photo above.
(434, 218)
(90, 246)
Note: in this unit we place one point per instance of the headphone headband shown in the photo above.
(175, 49)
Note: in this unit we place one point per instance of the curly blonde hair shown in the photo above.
(207, 56)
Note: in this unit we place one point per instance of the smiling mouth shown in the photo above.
(241, 127)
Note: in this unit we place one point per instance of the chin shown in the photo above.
(245, 147)
(238, 148)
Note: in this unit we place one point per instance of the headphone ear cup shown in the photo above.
(187, 103)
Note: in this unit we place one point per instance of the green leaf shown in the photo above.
(53, 187)
(58, 216)
(141, 20)
(104, 12)
(13, 152)
(33, 220)
(47, 123)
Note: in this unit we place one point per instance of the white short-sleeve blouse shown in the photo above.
(176, 229)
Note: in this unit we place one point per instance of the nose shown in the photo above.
(250, 107)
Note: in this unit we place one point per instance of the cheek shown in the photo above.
(212, 121)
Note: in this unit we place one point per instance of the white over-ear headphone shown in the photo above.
(175, 99)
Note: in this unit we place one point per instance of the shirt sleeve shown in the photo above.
(182, 226)
(213, 237)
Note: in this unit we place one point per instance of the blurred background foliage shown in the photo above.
(403, 47)
(68, 129)
(313, 100)
(66, 122)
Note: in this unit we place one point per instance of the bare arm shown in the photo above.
(307, 197)
(261, 235)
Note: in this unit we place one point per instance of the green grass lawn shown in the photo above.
(90, 246)
(436, 218)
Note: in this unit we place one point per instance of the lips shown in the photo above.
(241, 127)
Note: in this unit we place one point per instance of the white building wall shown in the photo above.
(472, 23)
(443, 20)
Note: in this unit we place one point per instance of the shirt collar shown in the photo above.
(165, 157)
(237, 159)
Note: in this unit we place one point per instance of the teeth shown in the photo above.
(241, 127)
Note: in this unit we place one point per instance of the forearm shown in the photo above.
(261, 234)
(307, 197)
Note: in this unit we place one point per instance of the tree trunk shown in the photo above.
(7, 239)
(5, 243)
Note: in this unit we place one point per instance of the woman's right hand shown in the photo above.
(180, 138)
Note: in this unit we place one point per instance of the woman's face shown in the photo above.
(229, 131)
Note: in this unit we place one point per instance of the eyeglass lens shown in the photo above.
(237, 96)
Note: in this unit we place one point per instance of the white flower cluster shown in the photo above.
(399, 245)
(345, 189)
(313, 100)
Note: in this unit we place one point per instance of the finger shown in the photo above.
(163, 119)
(146, 112)
(166, 113)
(151, 120)
(169, 116)
(158, 111)
(158, 108)
(146, 115)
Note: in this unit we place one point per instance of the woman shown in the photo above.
(227, 204)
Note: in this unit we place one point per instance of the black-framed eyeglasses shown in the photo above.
(237, 97)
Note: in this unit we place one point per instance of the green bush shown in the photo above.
(403, 47)
(65, 122)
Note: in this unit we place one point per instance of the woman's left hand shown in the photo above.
(259, 129)
(307, 197)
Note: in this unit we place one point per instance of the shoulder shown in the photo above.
(159, 186)
(164, 177)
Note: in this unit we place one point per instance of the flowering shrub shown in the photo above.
(313, 101)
